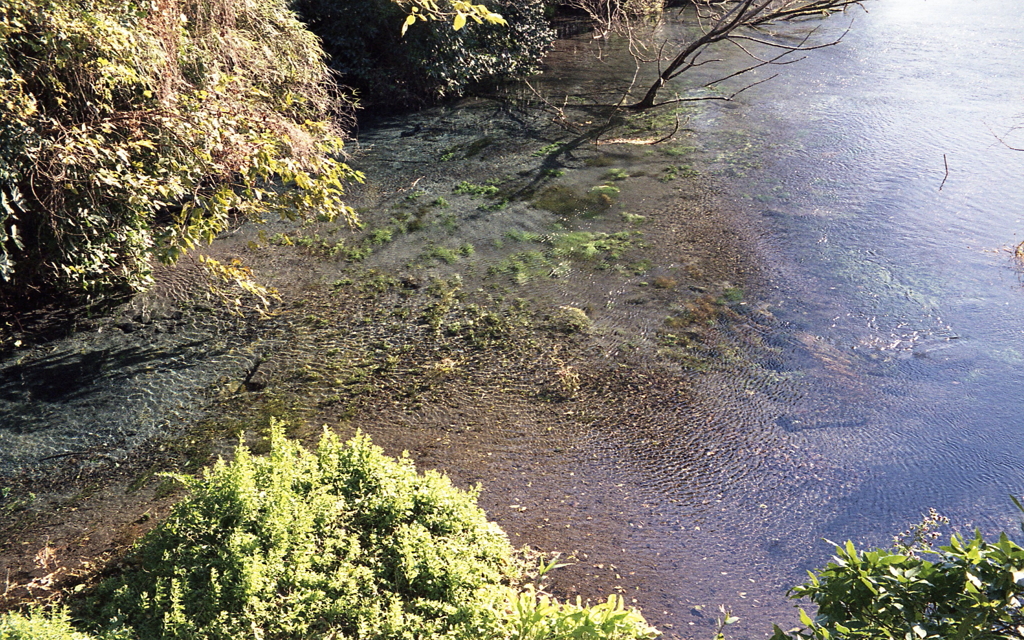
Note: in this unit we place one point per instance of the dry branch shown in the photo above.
(737, 22)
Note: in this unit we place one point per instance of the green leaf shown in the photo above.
(806, 619)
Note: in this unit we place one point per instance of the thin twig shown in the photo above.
(945, 162)
(669, 136)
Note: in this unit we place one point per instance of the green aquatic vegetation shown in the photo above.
(633, 218)
(605, 190)
(590, 245)
(553, 173)
(324, 247)
(487, 328)
(639, 267)
(497, 205)
(560, 269)
(596, 248)
(549, 149)
(567, 319)
(523, 266)
(566, 201)
(382, 235)
(732, 294)
(315, 320)
(616, 174)
(475, 190)
(408, 222)
(449, 256)
(671, 172)
(449, 221)
(523, 236)
(650, 121)
(705, 310)
(356, 254)
(447, 294)
(373, 283)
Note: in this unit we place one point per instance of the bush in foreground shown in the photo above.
(340, 543)
(970, 589)
(39, 626)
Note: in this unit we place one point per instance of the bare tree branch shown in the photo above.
(741, 20)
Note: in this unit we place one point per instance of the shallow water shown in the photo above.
(903, 271)
(899, 305)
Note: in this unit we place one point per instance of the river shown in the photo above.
(886, 210)
(880, 295)
(882, 256)
(906, 272)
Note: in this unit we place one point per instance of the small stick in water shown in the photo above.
(945, 162)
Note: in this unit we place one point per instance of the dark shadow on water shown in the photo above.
(70, 377)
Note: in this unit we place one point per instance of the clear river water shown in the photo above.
(891, 269)
(898, 297)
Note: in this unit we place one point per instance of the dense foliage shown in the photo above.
(55, 626)
(343, 542)
(392, 66)
(298, 545)
(129, 130)
(968, 590)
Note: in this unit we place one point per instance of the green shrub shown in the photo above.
(969, 590)
(432, 60)
(475, 190)
(39, 626)
(342, 541)
(530, 615)
(130, 130)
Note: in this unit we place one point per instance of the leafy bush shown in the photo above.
(432, 60)
(970, 590)
(39, 626)
(129, 130)
(344, 541)
(531, 615)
